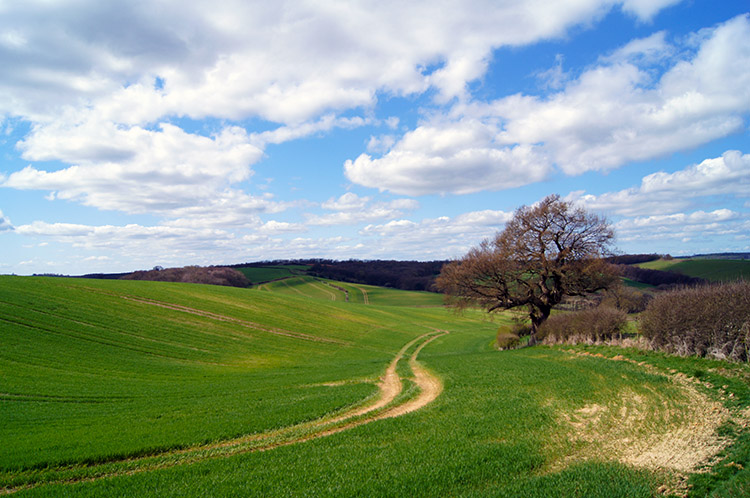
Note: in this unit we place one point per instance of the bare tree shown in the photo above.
(545, 252)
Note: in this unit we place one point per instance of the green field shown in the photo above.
(262, 274)
(329, 290)
(716, 270)
(123, 388)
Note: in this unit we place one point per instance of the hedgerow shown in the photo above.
(711, 320)
(598, 324)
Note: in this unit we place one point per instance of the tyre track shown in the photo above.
(383, 406)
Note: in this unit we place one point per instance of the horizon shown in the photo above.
(208, 134)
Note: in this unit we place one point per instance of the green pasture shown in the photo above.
(93, 373)
(716, 270)
(305, 287)
(262, 274)
(636, 285)
(331, 290)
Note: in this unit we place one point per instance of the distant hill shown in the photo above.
(722, 255)
(212, 275)
(712, 269)
(404, 275)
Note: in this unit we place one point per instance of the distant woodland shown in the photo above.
(214, 275)
(405, 275)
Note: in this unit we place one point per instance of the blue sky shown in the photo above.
(220, 132)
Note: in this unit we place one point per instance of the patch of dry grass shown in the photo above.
(670, 431)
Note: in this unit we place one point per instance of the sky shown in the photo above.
(171, 133)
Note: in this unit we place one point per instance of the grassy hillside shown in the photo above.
(709, 269)
(261, 274)
(114, 388)
(331, 290)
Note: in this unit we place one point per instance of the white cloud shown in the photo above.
(646, 9)
(292, 132)
(667, 193)
(454, 157)
(347, 202)
(653, 48)
(136, 170)
(283, 61)
(435, 238)
(141, 246)
(695, 226)
(380, 144)
(5, 223)
(615, 113)
(353, 209)
(276, 227)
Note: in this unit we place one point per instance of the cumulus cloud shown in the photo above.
(694, 226)
(275, 227)
(205, 58)
(353, 209)
(646, 9)
(5, 223)
(436, 238)
(649, 50)
(136, 170)
(667, 193)
(454, 157)
(128, 237)
(617, 111)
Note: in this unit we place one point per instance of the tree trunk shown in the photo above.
(538, 315)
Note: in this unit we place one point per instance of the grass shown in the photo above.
(329, 290)
(637, 285)
(716, 270)
(91, 377)
(262, 274)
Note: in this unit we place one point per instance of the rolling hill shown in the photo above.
(128, 388)
(715, 270)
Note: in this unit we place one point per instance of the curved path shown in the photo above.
(385, 405)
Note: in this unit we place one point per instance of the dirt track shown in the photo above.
(384, 405)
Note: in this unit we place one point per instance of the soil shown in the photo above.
(675, 436)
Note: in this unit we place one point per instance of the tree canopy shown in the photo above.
(545, 252)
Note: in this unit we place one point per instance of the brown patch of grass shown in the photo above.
(671, 433)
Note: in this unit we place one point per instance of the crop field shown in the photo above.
(127, 388)
(329, 290)
(259, 275)
(717, 270)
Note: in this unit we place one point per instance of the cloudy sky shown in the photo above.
(135, 134)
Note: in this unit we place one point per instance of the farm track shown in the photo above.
(364, 294)
(326, 291)
(386, 405)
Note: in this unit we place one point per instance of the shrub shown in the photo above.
(509, 337)
(712, 320)
(626, 299)
(592, 325)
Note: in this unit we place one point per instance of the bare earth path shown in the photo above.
(365, 297)
(384, 405)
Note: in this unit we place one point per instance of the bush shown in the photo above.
(591, 325)
(509, 336)
(626, 299)
(712, 320)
